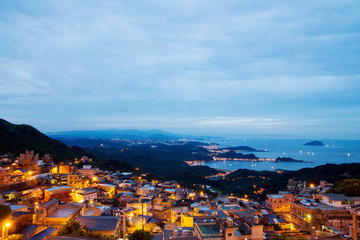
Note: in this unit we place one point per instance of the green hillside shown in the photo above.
(19, 138)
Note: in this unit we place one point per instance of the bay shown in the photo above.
(333, 151)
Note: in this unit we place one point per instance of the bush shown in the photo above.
(140, 235)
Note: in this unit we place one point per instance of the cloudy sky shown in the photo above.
(186, 66)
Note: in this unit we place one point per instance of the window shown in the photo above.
(229, 234)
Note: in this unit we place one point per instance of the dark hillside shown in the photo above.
(19, 138)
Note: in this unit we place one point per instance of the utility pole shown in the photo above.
(355, 216)
(124, 224)
(142, 219)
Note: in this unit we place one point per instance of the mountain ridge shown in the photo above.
(17, 138)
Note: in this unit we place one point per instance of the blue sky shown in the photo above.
(202, 67)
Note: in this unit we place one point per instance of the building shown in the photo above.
(103, 225)
(5, 176)
(227, 230)
(85, 195)
(27, 160)
(278, 202)
(74, 181)
(62, 193)
(312, 218)
(109, 189)
(51, 213)
(162, 212)
(87, 171)
(337, 200)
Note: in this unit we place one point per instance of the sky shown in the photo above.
(271, 68)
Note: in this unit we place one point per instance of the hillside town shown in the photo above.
(47, 200)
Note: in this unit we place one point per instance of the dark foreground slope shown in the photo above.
(258, 183)
(19, 138)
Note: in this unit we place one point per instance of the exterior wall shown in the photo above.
(187, 221)
(62, 194)
(64, 169)
(90, 173)
(163, 214)
(257, 232)
(313, 219)
(5, 176)
(277, 204)
(327, 201)
(74, 181)
(198, 234)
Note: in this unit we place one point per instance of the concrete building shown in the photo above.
(278, 202)
(337, 200)
(51, 213)
(62, 193)
(106, 226)
(312, 218)
(74, 181)
(85, 194)
(5, 176)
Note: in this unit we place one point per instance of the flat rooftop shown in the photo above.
(209, 229)
(62, 212)
(320, 206)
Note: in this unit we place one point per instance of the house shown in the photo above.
(27, 160)
(87, 171)
(337, 200)
(85, 194)
(74, 180)
(62, 193)
(104, 225)
(5, 176)
(52, 213)
(313, 217)
(278, 202)
(162, 212)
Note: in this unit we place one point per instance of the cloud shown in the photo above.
(196, 60)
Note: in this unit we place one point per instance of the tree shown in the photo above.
(14, 237)
(71, 228)
(5, 212)
(140, 235)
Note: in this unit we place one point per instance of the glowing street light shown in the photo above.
(7, 225)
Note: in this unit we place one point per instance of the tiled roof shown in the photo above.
(98, 223)
(50, 203)
(44, 233)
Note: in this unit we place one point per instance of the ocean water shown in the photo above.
(334, 151)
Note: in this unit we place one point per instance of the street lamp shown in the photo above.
(7, 225)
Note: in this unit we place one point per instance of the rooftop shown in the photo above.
(63, 212)
(57, 188)
(276, 195)
(98, 223)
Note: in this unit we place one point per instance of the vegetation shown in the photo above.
(347, 187)
(287, 237)
(140, 235)
(14, 237)
(72, 228)
(233, 154)
(5, 213)
(17, 139)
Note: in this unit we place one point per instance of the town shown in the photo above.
(74, 200)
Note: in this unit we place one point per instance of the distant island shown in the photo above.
(244, 149)
(233, 154)
(287, 159)
(314, 143)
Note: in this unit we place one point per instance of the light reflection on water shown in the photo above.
(334, 151)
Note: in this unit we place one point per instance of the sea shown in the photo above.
(333, 151)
